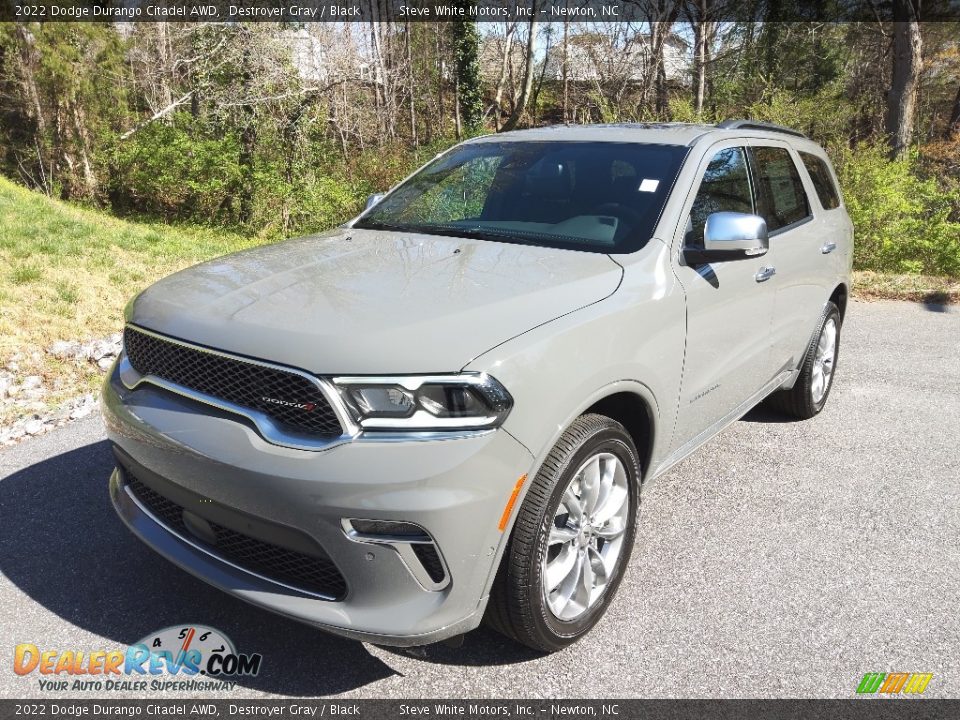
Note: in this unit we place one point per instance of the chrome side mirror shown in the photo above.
(373, 200)
(730, 236)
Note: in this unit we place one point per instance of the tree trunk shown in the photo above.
(566, 74)
(29, 60)
(458, 125)
(659, 32)
(907, 59)
(502, 78)
(953, 127)
(703, 30)
(441, 68)
(521, 105)
(412, 86)
(248, 140)
(663, 13)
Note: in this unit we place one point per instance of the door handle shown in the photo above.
(828, 247)
(765, 273)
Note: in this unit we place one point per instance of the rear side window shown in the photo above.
(822, 181)
(725, 188)
(779, 188)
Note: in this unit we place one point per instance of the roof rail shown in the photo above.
(758, 125)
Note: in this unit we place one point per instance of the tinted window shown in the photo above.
(725, 188)
(822, 181)
(596, 196)
(779, 188)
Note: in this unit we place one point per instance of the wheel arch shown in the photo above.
(839, 297)
(635, 414)
(629, 402)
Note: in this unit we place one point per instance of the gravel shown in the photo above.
(28, 395)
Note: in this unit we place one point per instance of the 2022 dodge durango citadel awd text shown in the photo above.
(445, 410)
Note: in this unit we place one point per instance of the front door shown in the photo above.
(729, 304)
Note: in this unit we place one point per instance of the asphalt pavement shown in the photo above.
(781, 559)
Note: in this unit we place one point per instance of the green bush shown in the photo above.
(312, 202)
(902, 222)
(173, 171)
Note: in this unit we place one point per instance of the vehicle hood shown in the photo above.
(363, 301)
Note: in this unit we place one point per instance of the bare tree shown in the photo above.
(704, 27)
(907, 62)
(411, 86)
(511, 28)
(527, 86)
(953, 125)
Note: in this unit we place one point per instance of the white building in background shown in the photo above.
(328, 53)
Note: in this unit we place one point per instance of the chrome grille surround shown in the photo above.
(274, 429)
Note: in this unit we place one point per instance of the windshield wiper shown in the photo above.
(441, 230)
(376, 225)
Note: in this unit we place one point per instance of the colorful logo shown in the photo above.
(182, 651)
(893, 683)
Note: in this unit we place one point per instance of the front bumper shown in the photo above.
(455, 489)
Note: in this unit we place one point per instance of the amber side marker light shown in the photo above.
(505, 518)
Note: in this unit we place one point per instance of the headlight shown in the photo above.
(467, 401)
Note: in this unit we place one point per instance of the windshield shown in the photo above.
(595, 196)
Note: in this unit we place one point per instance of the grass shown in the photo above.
(921, 288)
(66, 274)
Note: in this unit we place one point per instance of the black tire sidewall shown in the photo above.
(557, 632)
(816, 407)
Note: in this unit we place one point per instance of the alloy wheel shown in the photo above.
(823, 361)
(586, 536)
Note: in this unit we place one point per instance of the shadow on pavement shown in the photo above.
(762, 414)
(482, 647)
(937, 301)
(62, 544)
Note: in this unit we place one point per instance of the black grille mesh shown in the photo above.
(430, 559)
(241, 383)
(316, 574)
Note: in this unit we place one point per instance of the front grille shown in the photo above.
(315, 574)
(243, 383)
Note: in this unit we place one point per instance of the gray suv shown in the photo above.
(445, 410)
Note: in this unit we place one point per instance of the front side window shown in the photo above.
(725, 188)
(822, 180)
(594, 196)
(782, 200)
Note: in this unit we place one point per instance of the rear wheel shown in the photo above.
(572, 538)
(809, 393)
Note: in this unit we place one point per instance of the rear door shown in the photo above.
(796, 250)
(728, 310)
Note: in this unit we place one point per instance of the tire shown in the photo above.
(519, 606)
(806, 398)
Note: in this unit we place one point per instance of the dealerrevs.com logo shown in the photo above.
(182, 657)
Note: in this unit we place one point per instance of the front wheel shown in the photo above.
(810, 391)
(572, 538)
